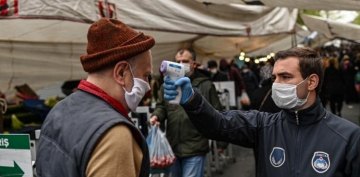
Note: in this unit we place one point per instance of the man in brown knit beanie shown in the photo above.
(89, 133)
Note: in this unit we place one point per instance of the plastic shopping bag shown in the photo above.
(161, 154)
(244, 99)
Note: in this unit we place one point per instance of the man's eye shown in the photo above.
(286, 77)
(273, 78)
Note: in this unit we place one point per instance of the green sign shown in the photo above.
(14, 171)
(14, 142)
(15, 156)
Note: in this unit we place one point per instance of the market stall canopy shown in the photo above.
(332, 29)
(282, 44)
(41, 41)
(182, 16)
(300, 4)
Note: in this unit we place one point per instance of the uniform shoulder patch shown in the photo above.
(320, 161)
(277, 157)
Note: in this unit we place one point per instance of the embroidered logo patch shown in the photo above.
(277, 156)
(320, 161)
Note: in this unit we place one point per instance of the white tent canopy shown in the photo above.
(183, 16)
(300, 4)
(332, 29)
(40, 43)
(282, 44)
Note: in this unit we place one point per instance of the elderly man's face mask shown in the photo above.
(138, 91)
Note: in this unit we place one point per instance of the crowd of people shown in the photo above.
(89, 133)
(341, 81)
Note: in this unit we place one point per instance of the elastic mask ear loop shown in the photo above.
(132, 76)
(308, 95)
(131, 71)
(302, 81)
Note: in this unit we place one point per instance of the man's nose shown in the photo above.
(276, 80)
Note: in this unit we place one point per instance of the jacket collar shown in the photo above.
(197, 77)
(310, 115)
(193, 75)
(94, 90)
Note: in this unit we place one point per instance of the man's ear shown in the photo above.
(194, 65)
(119, 72)
(313, 82)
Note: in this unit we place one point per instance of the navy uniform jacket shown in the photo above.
(308, 143)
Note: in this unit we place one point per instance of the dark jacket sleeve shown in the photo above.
(233, 126)
(353, 159)
(215, 102)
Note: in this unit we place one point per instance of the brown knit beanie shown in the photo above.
(110, 41)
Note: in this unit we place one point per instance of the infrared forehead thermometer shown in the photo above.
(175, 71)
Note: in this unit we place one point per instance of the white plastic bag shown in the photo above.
(244, 99)
(161, 154)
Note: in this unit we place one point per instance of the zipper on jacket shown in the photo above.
(297, 146)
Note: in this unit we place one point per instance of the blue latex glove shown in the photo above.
(170, 86)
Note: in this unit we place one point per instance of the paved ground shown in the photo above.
(244, 166)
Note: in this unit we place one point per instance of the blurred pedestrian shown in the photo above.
(334, 86)
(188, 145)
(216, 74)
(234, 75)
(349, 73)
(261, 99)
(251, 83)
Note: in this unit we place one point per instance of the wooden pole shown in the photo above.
(3, 107)
(1, 119)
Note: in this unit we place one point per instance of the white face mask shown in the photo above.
(285, 96)
(186, 68)
(138, 91)
(214, 71)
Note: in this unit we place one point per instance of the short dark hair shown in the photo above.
(310, 62)
(190, 50)
(211, 64)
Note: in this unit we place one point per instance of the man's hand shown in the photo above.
(154, 120)
(170, 86)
